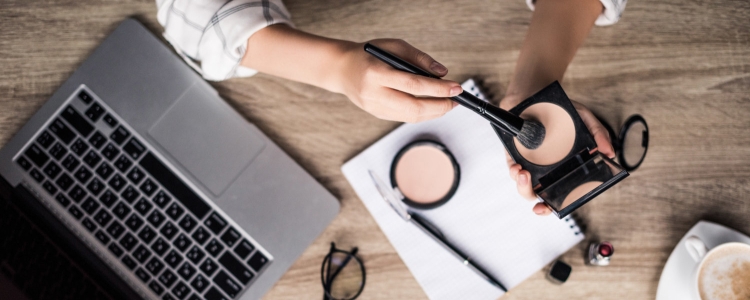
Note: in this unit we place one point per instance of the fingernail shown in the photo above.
(538, 210)
(456, 90)
(438, 68)
(455, 104)
(522, 179)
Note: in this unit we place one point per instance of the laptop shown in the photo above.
(153, 186)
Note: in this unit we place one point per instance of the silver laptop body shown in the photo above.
(145, 163)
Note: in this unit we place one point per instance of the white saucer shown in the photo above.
(677, 273)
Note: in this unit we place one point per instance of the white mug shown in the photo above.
(700, 252)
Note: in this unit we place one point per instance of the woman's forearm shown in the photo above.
(558, 28)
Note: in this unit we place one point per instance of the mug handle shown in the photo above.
(696, 248)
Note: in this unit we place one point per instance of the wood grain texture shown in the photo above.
(683, 65)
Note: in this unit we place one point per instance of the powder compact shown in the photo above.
(566, 169)
(424, 174)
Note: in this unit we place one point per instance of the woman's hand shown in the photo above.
(523, 177)
(390, 94)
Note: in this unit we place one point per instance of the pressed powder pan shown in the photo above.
(425, 173)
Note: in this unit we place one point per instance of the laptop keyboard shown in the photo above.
(174, 242)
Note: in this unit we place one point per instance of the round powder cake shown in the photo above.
(424, 174)
(559, 137)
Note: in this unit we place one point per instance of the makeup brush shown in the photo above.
(529, 133)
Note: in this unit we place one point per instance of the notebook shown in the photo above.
(486, 218)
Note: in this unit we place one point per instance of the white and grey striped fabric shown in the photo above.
(612, 11)
(211, 35)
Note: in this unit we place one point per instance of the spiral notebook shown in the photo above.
(486, 218)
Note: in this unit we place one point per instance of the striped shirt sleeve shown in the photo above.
(211, 35)
(610, 15)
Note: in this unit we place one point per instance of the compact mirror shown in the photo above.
(631, 144)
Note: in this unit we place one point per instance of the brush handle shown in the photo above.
(497, 116)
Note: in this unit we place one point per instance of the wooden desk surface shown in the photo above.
(683, 65)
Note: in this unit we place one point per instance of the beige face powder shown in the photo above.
(559, 137)
(578, 192)
(425, 173)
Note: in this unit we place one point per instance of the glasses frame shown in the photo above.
(326, 278)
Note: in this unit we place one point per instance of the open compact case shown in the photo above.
(424, 174)
(566, 170)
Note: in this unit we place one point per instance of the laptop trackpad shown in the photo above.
(208, 138)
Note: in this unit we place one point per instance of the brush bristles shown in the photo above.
(531, 134)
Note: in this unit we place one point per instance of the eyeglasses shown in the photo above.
(342, 274)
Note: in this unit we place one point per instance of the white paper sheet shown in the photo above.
(486, 218)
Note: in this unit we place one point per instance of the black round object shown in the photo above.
(631, 144)
(456, 170)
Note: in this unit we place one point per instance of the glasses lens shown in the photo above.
(344, 277)
(635, 143)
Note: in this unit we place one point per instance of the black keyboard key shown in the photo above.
(103, 217)
(168, 297)
(243, 249)
(116, 229)
(167, 278)
(209, 267)
(188, 223)
(148, 187)
(116, 250)
(97, 140)
(136, 175)
(110, 151)
(169, 230)
(75, 212)
(36, 155)
(236, 267)
(214, 294)
(143, 206)
(108, 198)
(154, 266)
(174, 211)
(181, 291)
(62, 131)
(130, 194)
(128, 241)
(156, 288)
(160, 246)
(24, 163)
(95, 112)
(142, 275)
(141, 254)
(70, 163)
(162, 199)
(230, 237)
(174, 185)
(173, 259)
(77, 121)
(123, 163)
(119, 135)
(102, 237)
(85, 97)
(121, 210)
(36, 175)
(95, 186)
(82, 175)
(182, 242)
(52, 169)
(64, 201)
(201, 235)
(90, 205)
(58, 151)
(89, 224)
(45, 139)
(214, 247)
(77, 194)
(147, 235)
(200, 283)
(257, 261)
(195, 254)
(134, 222)
(155, 218)
(186, 271)
(79, 147)
(117, 182)
(92, 158)
(129, 262)
(110, 120)
(105, 170)
(64, 182)
(51, 188)
(215, 222)
(228, 285)
(134, 149)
